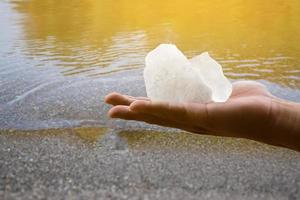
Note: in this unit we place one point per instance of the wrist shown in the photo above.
(286, 125)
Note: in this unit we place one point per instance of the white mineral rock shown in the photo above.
(170, 76)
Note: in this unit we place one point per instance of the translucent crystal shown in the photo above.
(212, 75)
(170, 76)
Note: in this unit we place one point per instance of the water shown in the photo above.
(58, 59)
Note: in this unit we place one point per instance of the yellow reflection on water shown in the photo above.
(87, 134)
(90, 134)
(252, 39)
(183, 141)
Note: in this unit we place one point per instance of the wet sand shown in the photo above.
(68, 164)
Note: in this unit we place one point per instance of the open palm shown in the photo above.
(248, 113)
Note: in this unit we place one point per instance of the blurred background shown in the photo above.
(57, 56)
(252, 39)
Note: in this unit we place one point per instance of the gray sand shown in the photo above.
(58, 164)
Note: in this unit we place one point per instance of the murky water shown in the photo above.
(58, 59)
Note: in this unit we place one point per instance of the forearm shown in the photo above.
(286, 127)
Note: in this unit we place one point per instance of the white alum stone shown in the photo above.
(212, 75)
(170, 76)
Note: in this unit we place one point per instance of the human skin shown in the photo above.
(251, 112)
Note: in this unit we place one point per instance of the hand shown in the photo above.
(251, 112)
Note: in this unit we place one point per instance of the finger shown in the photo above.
(119, 111)
(178, 112)
(150, 107)
(115, 98)
(124, 112)
(138, 98)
